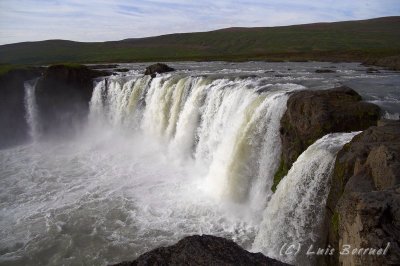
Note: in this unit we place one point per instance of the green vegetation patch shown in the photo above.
(71, 65)
(335, 222)
(5, 68)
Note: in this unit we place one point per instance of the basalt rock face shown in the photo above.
(157, 68)
(202, 250)
(62, 96)
(313, 114)
(14, 128)
(363, 207)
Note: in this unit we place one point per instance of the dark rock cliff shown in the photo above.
(204, 250)
(363, 207)
(14, 128)
(313, 114)
(63, 94)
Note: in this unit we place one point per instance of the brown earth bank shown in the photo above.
(204, 250)
(312, 114)
(363, 207)
(390, 62)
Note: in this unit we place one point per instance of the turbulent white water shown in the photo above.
(161, 159)
(295, 212)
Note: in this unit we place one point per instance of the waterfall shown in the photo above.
(295, 212)
(227, 128)
(32, 117)
(193, 153)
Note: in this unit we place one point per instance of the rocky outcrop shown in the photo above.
(363, 207)
(121, 69)
(372, 70)
(321, 71)
(202, 250)
(62, 95)
(157, 68)
(313, 114)
(14, 128)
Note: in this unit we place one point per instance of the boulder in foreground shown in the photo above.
(202, 250)
(157, 68)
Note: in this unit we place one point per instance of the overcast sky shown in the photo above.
(102, 20)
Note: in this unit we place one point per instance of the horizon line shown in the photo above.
(194, 32)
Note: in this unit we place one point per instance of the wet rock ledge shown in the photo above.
(204, 250)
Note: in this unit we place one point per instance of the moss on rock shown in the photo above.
(280, 173)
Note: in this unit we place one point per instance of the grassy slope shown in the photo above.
(5, 68)
(353, 40)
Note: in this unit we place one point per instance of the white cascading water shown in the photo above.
(228, 128)
(116, 102)
(31, 109)
(295, 212)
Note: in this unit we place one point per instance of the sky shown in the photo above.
(102, 20)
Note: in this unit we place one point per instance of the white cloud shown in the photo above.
(100, 20)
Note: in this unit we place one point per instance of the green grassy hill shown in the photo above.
(344, 41)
